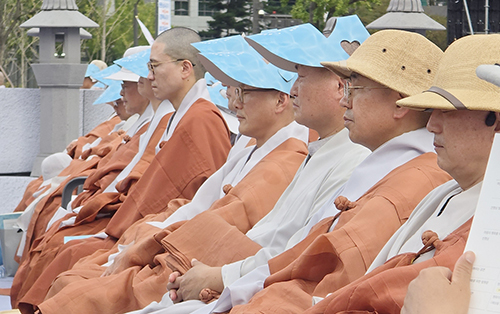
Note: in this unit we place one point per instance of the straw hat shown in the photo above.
(456, 85)
(403, 61)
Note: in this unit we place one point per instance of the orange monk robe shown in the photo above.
(42, 251)
(326, 261)
(28, 197)
(74, 149)
(201, 138)
(383, 290)
(216, 237)
(118, 155)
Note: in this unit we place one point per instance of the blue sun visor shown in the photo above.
(110, 94)
(305, 45)
(237, 63)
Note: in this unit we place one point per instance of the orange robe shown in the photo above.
(78, 167)
(74, 149)
(326, 261)
(383, 290)
(216, 237)
(31, 188)
(201, 138)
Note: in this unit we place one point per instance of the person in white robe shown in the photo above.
(384, 158)
(438, 289)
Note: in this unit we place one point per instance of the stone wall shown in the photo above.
(20, 125)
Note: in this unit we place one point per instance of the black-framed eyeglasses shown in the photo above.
(348, 87)
(152, 65)
(240, 92)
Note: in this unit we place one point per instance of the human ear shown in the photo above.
(187, 69)
(497, 126)
(282, 102)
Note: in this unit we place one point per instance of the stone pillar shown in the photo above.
(59, 74)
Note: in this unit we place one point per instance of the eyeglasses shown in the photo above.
(240, 92)
(152, 65)
(348, 87)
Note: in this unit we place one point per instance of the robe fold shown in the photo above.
(326, 261)
(28, 197)
(75, 148)
(201, 137)
(230, 216)
(383, 290)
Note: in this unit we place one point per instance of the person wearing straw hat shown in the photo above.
(464, 120)
(229, 203)
(349, 230)
(438, 289)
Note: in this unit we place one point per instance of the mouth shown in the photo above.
(437, 146)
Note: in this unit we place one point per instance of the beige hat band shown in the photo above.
(448, 96)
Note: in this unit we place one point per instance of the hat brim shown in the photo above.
(472, 100)
(124, 75)
(339, 67)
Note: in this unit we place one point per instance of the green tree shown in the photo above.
(113, 36)
(317, 12)
(230, 17)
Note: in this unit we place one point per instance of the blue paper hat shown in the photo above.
(91, 69)
(305, 45)
(100, 76)
(137, 63)
(225, 44)
(216, 90)
(110, 94)
(125, 74)
(239, 64)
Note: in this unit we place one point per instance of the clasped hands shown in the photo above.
(189, 285)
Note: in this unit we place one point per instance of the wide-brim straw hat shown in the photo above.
(403, 61)
(456, 85)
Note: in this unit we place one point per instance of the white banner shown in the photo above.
(164, 15)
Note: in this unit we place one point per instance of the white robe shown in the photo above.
(377, 165)
(325, 172)
(232, 172)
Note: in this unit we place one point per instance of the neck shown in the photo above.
(330, 132)
(261, 140)
(177, 100)
(155, 103)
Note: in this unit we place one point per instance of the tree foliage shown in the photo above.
(231, 16)
(317, 12)
(17, 50)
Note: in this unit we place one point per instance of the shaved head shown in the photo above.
(178, 46)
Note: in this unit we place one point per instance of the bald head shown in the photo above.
(178, 46)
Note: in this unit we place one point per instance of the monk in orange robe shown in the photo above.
(251, 182)
(197, 132)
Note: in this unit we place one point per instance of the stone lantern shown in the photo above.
(59, 74)
(406, 15)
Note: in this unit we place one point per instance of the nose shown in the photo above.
(151, 76)
(435, 123)
(345, 103)
(294, 90)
